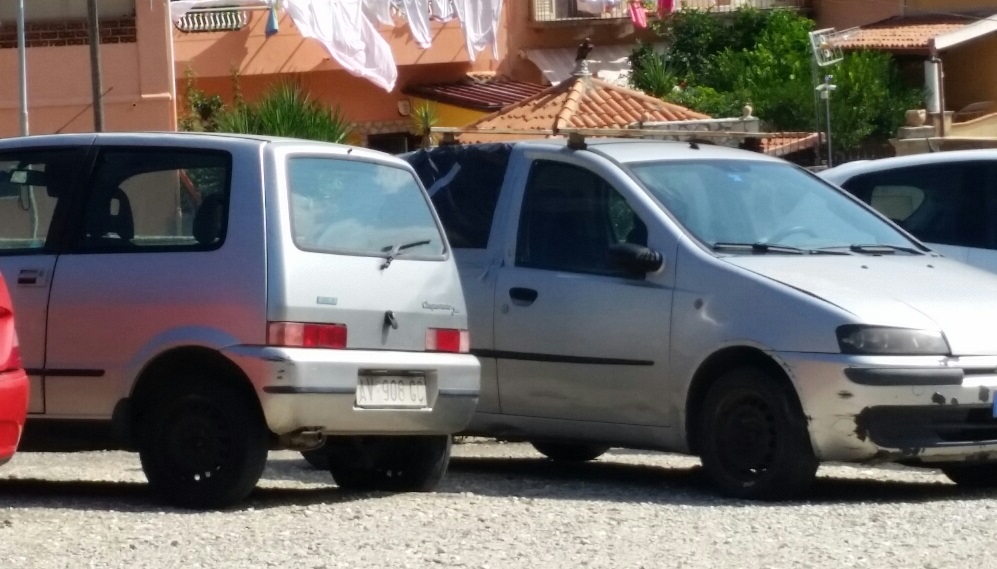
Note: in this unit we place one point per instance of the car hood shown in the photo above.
(896, 290)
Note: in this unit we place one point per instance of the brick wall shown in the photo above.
(72, 32)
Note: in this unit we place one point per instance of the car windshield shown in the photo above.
(753, 206)
(364, 208)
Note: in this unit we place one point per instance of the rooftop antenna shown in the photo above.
(825, 45)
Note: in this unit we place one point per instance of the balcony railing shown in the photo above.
(569, 10)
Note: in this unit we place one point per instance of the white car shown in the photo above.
(946, 199)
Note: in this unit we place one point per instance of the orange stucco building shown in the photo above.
(145, 58)
(135, 58)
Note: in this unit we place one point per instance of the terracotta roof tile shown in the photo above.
(477, 91)
(580, 102)
(788, 142)
(903, 33)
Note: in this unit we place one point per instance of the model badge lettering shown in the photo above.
(329, 300)
(434, 306)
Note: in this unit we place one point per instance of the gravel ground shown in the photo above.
(501, 506)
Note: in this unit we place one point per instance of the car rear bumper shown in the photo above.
(918, 410)
(315, 389)
(13, 410)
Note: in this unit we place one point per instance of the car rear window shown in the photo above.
(360, 208)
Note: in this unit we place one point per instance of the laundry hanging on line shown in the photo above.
(349, 37)
(480, 21)
(638, 14)
(354, 40)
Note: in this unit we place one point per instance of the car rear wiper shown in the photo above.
(393, 250)
(758, 248)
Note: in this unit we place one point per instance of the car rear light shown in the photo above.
(448, 340)
(301, 335)
(13, 360)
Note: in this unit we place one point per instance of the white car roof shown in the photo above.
(840, 174)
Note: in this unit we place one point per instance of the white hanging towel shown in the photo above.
(417, 14)
(348, 36)
(441, 10)
(480, 21)
(379, 11)
(179, 8)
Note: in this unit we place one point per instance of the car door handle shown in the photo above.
(524, 295)
(31, 277)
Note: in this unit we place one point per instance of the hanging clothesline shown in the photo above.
(348, 28)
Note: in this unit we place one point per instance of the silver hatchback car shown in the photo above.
(718, 302)
(207, 298)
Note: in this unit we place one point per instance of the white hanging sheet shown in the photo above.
(441, 10)
(379, 11)
(349, 37)
(480, 21)
(417, 14)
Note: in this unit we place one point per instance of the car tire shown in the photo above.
(203, 445)
(570, 452)
(978, 475)
(753, 441)
(389, 463)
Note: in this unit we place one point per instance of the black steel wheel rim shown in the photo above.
(199, 441)
(747, 437)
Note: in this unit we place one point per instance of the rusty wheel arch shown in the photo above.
(715, 366)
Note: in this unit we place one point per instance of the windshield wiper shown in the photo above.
(876, 249)
(393, 250)
(758, 248)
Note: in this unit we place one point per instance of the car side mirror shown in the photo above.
(635, 258)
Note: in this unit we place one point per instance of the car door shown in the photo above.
(36, 186)
(575, 336)
(142, 263)
(465, 183)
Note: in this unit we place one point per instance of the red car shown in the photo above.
(13, 381)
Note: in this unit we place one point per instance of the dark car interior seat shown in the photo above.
(209, 221)
(109, 221)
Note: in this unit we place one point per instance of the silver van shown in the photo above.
(717, 302)
(207, 298)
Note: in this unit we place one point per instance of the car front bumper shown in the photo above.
(919, 410)
(302, 389)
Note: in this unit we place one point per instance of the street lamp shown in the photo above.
(825, 89)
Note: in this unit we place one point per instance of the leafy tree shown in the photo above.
(198, 110)
(764, 57)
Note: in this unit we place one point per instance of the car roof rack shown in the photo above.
(576, 136)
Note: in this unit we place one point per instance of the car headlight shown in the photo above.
(881, 340)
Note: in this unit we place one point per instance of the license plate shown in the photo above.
(391, 391)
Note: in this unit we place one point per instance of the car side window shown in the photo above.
(570, 217)
(32, 182)
(464, 183)
(165, 199)
(938, 203)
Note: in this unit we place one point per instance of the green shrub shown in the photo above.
(764, 57)
(286, 110)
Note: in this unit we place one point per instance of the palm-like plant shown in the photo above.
(287, 110)
(424, 118)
